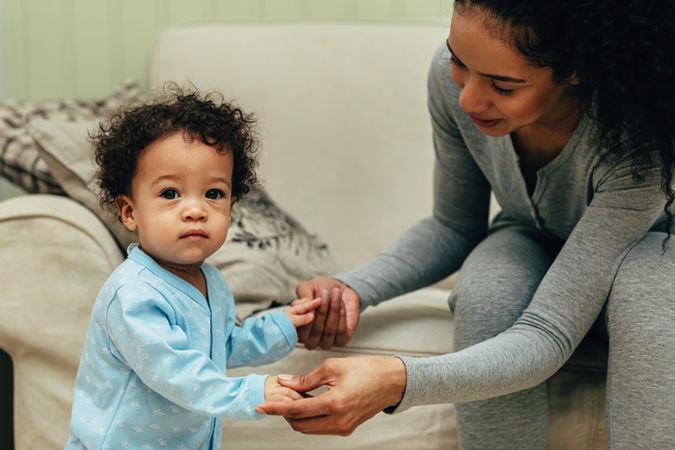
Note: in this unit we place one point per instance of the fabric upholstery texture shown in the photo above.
(55, 256)
(20, 161)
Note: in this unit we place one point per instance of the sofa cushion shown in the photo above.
(20, 161)
(267, 251)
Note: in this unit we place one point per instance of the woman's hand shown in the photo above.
(336, 319)
(358, 388)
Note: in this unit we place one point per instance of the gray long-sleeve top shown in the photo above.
(592, 204)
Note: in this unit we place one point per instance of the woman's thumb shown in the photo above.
(305, 289)
(301, 383)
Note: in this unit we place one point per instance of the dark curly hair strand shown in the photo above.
(206, 117)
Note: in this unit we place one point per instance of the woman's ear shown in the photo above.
(574, 79)
(125, 209)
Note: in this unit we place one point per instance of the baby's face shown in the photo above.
(180, 201)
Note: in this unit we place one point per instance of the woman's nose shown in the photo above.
(472, 98)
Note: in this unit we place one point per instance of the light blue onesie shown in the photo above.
(152, 372)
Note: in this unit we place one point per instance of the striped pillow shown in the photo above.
(20, 161)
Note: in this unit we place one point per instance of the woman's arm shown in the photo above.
(562, 311)
(564, 307)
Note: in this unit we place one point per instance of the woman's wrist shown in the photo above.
(395, 378)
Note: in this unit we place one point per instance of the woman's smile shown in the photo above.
(484, 123)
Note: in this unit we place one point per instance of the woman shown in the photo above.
(564, 110)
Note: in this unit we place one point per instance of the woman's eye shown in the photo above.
(169, 194)
(456, 62)
(501, 91)
(214, 194)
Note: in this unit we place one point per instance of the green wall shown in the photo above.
(85, 48)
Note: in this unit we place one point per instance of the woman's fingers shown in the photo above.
(342, 337)
(350, 313)
(297, 409)
(325, 328)
(332, 322)
(359, 388)
(314, 337)
(306, 382)
(305, 289)
(322, 425)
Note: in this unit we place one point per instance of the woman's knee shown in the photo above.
(643, 293)
(497, 282)
(640, 317)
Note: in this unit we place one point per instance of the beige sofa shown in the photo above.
(347, 151)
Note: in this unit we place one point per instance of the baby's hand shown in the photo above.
(302, 311)
(276, 392)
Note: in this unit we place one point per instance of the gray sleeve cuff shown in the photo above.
(365, 292)
(394, 409)
(414, 388)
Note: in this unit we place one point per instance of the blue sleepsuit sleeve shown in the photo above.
(145, 334)
(261, 340)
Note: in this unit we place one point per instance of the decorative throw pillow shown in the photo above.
(20, 161)
(267, 251)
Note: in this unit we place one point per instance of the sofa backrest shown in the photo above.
(342, 116)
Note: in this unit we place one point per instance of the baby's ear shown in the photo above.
(125, 210)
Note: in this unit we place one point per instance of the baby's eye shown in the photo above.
(169, 194)
(214, 194)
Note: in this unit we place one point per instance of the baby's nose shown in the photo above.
(194, 210)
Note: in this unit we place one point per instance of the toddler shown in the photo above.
(162, 330)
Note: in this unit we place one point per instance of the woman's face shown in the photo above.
(500, 90)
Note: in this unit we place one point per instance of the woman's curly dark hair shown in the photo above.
(621, 51)
(206, 117)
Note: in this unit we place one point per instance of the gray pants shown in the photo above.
(496, 284)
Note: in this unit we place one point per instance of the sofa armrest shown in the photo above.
(55, 255)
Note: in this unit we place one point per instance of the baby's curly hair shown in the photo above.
(206, 117)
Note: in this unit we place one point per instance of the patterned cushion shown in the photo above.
(267, 251)
(20, 161)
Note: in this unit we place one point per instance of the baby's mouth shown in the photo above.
(195, 234)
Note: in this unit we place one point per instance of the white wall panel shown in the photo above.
(85, 48)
